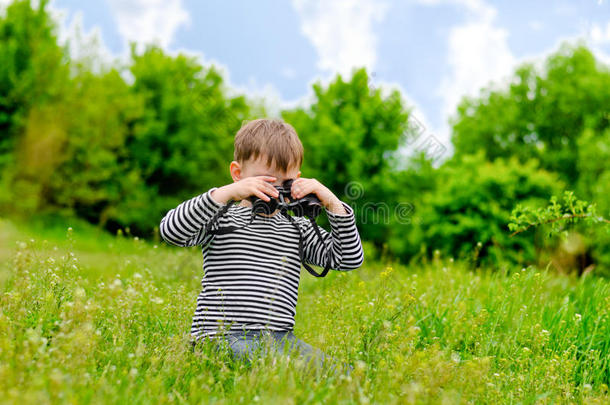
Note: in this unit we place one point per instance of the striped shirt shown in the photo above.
(251, 275)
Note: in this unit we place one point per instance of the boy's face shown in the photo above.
(259, 168)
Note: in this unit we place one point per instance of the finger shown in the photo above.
(303, 190)
(269, 189)
(258, 191)
(268, 178)
(262, 195)
(272, 190)
(295, 189)
(297, 183)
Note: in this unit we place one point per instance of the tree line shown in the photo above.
(120, 145)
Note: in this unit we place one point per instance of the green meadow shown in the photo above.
(479, 285)
(91, 318)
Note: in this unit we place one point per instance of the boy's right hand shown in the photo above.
(258, 186)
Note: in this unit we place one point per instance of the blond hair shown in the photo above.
(271, 138)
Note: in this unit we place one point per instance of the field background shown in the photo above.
(93, 318)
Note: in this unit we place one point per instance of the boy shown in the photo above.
(251, 275)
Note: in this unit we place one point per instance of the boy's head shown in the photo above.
(267, 147)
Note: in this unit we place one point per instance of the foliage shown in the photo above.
(469, 210)
(541, 114)
(185, 139)
(121, 145)
(594, 170)
(558, 214)
(558, 115)
(90, 176)
(572, 210)
(88, 143)
(594, 185)
(180, 144)
(33, 75)
(32, 69)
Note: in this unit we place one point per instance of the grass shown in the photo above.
(90, 318)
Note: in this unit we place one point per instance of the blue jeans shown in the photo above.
(248, 344)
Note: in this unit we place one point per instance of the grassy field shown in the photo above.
(90, 318)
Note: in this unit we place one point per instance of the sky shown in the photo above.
(433, 51)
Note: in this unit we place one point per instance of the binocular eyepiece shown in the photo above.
(308, 205)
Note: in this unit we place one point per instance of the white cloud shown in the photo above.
(598, 39)
(86, 47)
(478, 53)
(599, 35)
(341, 32)
(146, 21)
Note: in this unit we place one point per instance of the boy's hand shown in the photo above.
(259, 186)
(302, 186)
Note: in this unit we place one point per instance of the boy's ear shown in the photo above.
(235, 169)
(299, 174)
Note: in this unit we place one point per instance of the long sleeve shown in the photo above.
(344, 241)
(184, 225)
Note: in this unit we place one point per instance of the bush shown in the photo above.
(467, 215)
(594, 186)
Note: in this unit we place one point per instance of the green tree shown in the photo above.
(182, 143)
(415, 182)
(33, 76)
(594, 185)
(469, 211)
(593, 156)
(541, 114)
(95, 176)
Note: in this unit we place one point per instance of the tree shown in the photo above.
(541, 114)
(94, 176)
(182, 143)
(185, 139)
(33, 78)
(469, 211)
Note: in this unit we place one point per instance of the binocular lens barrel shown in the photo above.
(306, 206)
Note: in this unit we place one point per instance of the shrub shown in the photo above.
(467, 215)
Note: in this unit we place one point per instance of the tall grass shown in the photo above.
(108, 321)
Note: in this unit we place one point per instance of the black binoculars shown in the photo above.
(309, 205)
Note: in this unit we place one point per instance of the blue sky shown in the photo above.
(434, 51)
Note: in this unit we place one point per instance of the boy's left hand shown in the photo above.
(302, 186)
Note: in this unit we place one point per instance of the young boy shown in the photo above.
(251, 275)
